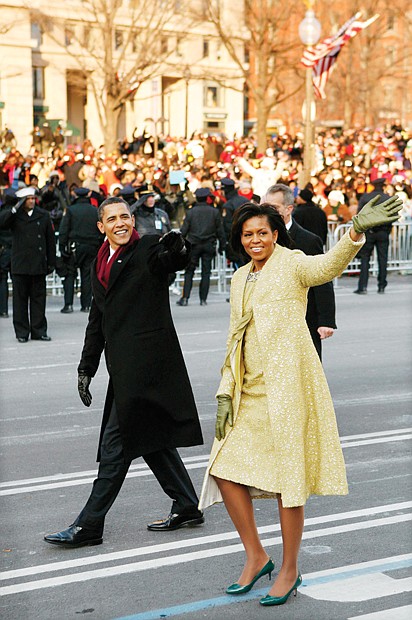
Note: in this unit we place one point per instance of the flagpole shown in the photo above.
(309, 32)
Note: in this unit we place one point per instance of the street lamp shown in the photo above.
(309, 32)
(186, 75)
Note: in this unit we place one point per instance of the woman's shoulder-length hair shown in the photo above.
(252, 209)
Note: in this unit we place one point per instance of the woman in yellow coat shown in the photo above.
(276, 432)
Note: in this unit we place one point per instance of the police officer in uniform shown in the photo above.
(79, 242)
(33, 256)
(378, 238)
(150, 220)
(202, 228)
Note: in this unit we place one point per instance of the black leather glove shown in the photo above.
(174, 242)
(221, 248)
(83, 382)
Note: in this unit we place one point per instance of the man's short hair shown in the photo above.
(281, 188)
(111, 201)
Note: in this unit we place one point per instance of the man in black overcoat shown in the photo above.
(233, 202)
(378, 238)
(79, 242)
(33, 256)
(202, 227)
(320, 312)
(149, 409)
(310, 216)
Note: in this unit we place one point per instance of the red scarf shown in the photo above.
(104, 266)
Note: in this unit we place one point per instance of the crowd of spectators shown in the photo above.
(346, 162)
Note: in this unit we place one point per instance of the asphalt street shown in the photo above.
(356, 556)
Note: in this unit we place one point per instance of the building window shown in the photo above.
(118, 39)
(205, 48)
(38, 83)
(391, 20)
(86, 35)
(390, 56)
(69, 35)
(179, 46)
(213, 96)
(36, 33)
(164, 45)
(214, 126)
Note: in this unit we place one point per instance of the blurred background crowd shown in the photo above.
(347, 162)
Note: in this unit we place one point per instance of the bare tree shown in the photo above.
(265, 53)
(375, 62)
(117, 45)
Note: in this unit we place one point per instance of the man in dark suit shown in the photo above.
(79, 242)
(144, 414)
(320, 313)
(202, 227)
(33, 256)
(375, 238)
(310, 216)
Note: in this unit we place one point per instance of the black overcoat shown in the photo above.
(33, 243)
(132, 321)
(321, 306)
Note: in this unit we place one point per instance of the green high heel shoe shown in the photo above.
(280, 600)
(236, 588)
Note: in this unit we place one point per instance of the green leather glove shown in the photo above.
(224, 414)
(374, 214)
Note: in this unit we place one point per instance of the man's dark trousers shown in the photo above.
(380, 240)
(166, 465)
(205, 252)
(82, 259)
(29, 290)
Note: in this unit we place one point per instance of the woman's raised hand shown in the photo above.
(374, 214)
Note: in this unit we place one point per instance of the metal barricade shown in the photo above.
(400, 248)
(221, 275)
(399, 259)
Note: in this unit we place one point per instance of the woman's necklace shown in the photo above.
(252, 276)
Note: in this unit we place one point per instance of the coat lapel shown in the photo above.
(118, 267)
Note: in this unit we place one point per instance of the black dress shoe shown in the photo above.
(25, 339)
(361, 291)
(42, 338)
(381, 289)
(175, 521)
(75, 536)
(4, 315)
(203, 302)
(182, 302)
(67, 309)
(85, 309)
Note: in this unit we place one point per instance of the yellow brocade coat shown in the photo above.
(303, 428)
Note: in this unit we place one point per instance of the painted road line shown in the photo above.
(366, 442)
(397, 613)
(196, 462)
(40, 367)
(174, 560)
(90, 472)
(397, 431)
(359, 588)
(190, 542)
(196, 606)
(73, 483)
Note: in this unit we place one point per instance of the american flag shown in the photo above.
(322, 57)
